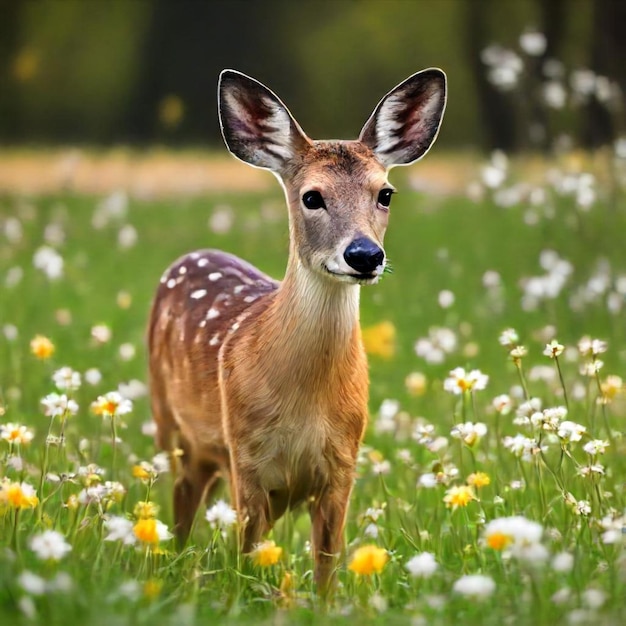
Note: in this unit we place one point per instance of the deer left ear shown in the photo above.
(406, 121)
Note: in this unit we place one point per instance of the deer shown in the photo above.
(266, 383)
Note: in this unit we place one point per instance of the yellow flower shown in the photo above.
(459, 496)
(146, 531)
(152, 588)
(266, 553)
(145, 510)
(287, 592)
(18, 495)
(380, 339)
(368, 560)
(140, 472)
(150, 531)
(41, 347)
(478, 480)
(416, 383)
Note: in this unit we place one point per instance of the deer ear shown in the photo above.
(406, 121)
(257, 127)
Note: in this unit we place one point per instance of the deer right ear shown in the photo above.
(257, 127)
(406, 121)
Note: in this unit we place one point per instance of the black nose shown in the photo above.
(363, 255)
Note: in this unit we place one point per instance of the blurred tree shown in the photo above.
(497, 115)
(122, 70)
(10, 120)
(608, 56)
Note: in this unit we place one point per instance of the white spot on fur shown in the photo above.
(202, 323)
(171, 283)
(194, 256)
(198, 293)
(238, 289)
(212, 313)
(214, 340)
(213, 276)
(182, 269)
(202, 262)
(249, 299)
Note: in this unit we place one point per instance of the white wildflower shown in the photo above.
(57, 405)
(475, 586)
(50, 545)
(221, 515)
(570, 432)
(119, 529)
(66, 379)
(422, 565)
(469, 433)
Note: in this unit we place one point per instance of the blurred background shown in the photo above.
(523, 74)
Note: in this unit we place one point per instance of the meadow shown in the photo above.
(491, 480)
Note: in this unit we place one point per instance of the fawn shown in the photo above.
(266, 382)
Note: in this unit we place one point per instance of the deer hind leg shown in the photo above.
(197, 481)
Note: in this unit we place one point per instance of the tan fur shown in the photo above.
(263, 382)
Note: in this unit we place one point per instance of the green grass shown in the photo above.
(433, 244)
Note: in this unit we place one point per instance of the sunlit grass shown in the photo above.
(483, 460)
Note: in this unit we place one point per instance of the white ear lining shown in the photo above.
(405, 123)
(257, 127)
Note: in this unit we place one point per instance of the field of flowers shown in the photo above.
(491, 479)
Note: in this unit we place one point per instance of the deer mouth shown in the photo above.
(365, 278)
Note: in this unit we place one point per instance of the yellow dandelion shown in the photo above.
(145, 510)
(266, 553)
(41, 347)
(18, 495)
(141, 472)
(478, 480)
(459, 496)
(152, 588)
(368, 560)
(380, 339)
(146, 531)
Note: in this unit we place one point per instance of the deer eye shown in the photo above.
(313, 200)
(384, 197)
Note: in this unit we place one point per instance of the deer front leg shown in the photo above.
(328, 517)
(252, 508)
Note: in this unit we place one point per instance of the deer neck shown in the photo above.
(313, 322)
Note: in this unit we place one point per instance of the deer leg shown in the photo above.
(328, 517)
(195, 483)
(253, 510)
